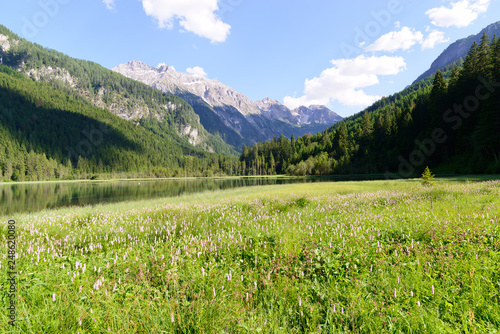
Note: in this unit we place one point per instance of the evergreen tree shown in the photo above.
(454, 76)
(495, 58)
(427, 177)
(483, 57)
(438, 87)
(471, 63)
(366, 126)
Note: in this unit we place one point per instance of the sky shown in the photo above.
(343, 54)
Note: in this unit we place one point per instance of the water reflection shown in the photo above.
(15, 198)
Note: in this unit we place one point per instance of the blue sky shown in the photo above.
(344, 54)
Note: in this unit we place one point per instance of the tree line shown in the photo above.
(47, 134)
(450, 121)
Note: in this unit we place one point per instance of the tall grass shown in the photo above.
(365, 257)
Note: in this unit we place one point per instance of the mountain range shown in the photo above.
(430, 123)
(230, 114)
(165, 123)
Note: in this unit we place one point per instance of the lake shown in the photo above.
(32, 197)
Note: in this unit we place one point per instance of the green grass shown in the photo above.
(363, 257)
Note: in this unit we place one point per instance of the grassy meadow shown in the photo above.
(361, 257)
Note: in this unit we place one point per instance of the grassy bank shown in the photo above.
(373, 256)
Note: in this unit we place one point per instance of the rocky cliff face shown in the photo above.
(300, 116)
(167, 79)
(71, 75)
(230, 114)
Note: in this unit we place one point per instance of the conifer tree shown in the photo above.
(495, 58)
(483, 61)
(438, 86)
(366, 126)
(470, 67)
(427, 177)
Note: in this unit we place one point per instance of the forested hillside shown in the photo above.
(456, 51)
(106, 89)
(46, 133)
(450, 122)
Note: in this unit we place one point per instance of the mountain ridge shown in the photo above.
(106, 89)
(458, 50)
(244, 120)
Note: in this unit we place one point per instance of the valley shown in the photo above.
(307, 184)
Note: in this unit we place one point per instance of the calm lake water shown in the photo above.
(16, 198)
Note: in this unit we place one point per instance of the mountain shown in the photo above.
(316, 114)
(430, 123)
(458, 50)
(64, 118)
(300, 116)
(227, 113)
(126, 98)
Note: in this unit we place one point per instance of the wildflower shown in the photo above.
(433, 289)
(54, 297)
(172, 317)
(80, 321)
(300, 302)
(395, 295)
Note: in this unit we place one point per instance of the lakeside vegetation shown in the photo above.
(370, 256)
(16, 197)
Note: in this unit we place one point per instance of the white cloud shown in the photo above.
(343, 82)
(197, 71)
(433, 39)
(461, 14)
(196, 16)
(405, 39)
(397, 40)
(110, 4)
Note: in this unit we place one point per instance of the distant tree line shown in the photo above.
(47, 134)
(460, 106)
(92, 82)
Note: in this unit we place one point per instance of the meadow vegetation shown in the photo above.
(365, 257)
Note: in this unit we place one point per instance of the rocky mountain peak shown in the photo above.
(267, 101)
(221, 107)
(162, 68)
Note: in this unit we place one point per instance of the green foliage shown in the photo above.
(372, 141)
(427, 177)
(356, 257)
(51, 129)
(47, 134)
